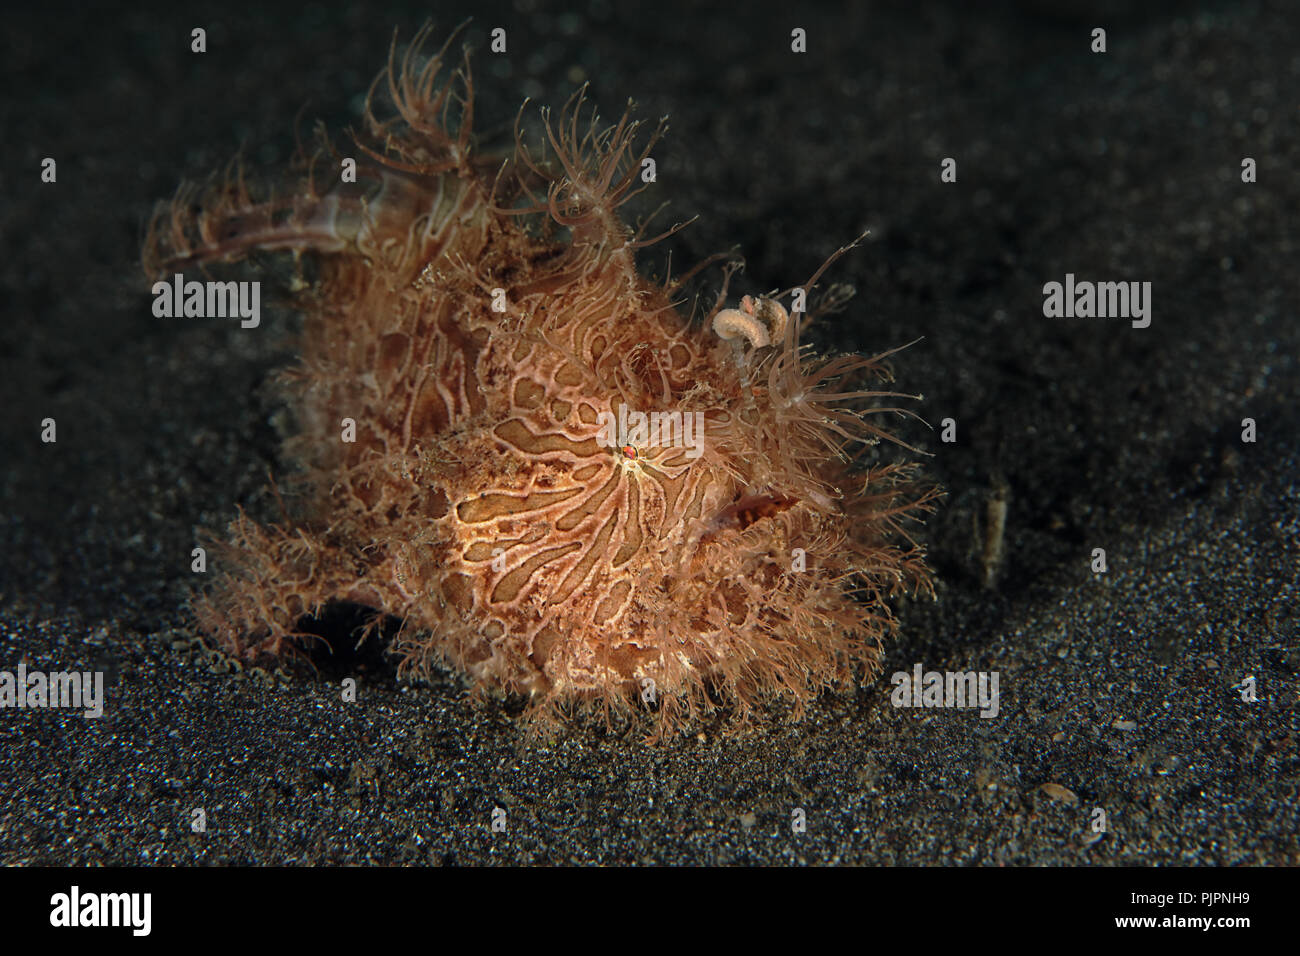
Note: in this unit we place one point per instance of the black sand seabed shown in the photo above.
(1119, 687)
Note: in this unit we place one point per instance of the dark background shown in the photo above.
(1122, 166)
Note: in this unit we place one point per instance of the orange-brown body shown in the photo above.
(479, 324)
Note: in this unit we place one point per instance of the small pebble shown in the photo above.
(1058, 792)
